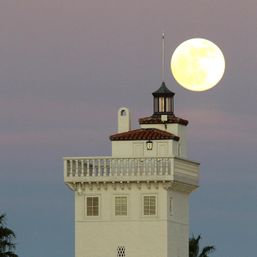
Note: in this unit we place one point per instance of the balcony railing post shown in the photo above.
(65, 168)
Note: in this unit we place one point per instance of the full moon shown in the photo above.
(197, 64)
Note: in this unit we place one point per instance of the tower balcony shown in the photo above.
(89, 170)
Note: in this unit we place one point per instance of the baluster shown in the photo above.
(132, 166)
(65, 168)
(99, 168)
(87, 168)
(79, 168)
(164, 166)
(161, 166)
(172, 165)
(147, 169)
(167, 166)
(152, 166)
(76, 168)
(82, 167)
(104, 168)
(114, 168)
(93, 166)
(109, 167)
(138, 167)
(121, 167)
(143, 164)
(126, 167)
(129, 167)
(151, 170)
(71, 168)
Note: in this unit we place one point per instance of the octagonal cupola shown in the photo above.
(163, 102)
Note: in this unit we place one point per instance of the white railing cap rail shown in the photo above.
(134, 158)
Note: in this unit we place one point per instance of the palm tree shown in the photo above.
(194, 248)
(7, 246)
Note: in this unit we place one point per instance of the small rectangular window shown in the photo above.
(93, 206)
(149, 205)
(121, 206)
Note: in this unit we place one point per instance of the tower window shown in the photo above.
(149, 205)
(121, 206)
(93, 206)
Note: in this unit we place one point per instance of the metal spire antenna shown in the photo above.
(163, 60)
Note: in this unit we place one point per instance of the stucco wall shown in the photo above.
(131, 148)
(140, 235)
(176, 129)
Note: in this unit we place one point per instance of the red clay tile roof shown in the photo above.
(156, 119)
(143, 134)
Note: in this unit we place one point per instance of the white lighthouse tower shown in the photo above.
(135, 202)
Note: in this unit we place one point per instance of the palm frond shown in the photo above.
(7, 246)
(207, 250)
(194, 247)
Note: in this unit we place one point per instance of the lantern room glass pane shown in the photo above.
(155, 104)
(161, 104)
(168, 104)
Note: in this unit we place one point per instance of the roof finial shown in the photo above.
(163, 60)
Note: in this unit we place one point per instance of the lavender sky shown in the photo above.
(65, 69)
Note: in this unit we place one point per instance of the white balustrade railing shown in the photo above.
(90, 167)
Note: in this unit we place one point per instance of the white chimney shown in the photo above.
(124, 120)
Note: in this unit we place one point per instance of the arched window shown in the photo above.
(123, 113)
